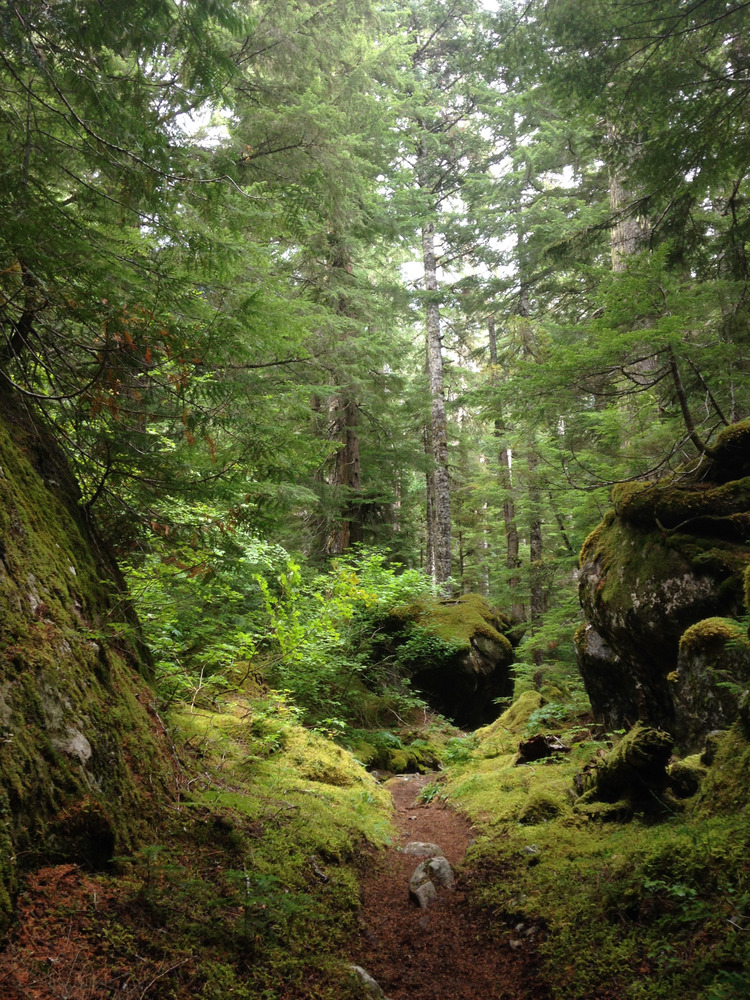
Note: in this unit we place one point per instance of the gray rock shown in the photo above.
(440, 872)
(369, 983)
(661, 587)
(427, 875)
(418, 849)
(713, 666)
(424, 894)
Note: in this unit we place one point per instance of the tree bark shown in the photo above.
(512, 560)
(630, 231)
(538, 597)
(441, 535)
(345, 475)
(429, 555)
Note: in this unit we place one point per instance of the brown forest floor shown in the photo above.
(66, 943)
(446, 952)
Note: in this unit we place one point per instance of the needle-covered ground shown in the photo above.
(448, 951)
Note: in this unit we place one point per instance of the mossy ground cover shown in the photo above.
(655, 908)
(248, 888)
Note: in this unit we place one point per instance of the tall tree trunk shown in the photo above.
(345, 475)
(512, 560)
(429, 555)
(441, 538)
(629, 231)
(537, 591)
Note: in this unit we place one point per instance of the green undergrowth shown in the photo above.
(250, 888)
(655, 908)
(287, 817)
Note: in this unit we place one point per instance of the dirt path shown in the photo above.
(444, 952)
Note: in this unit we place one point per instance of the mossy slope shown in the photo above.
(654, 907)
(81, 770)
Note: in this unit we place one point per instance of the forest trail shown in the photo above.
(446, 952)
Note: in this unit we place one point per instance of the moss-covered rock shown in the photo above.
(713, 669)
(686, 775)
(671, 554)
(458, 653)
(81, 767)
(501, 736)
(382, 751)
(540, 807)
(633, 772)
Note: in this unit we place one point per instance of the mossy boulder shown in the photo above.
(82, 768)
(669, 555)
(713, 670)
(383, 751)
(458, 654)
(634, 772)
(540, 807)
(686, 775)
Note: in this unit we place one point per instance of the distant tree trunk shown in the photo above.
(537, 590)
(441, 535)
(561, 525)
(345, 476)
(538, 599)
(512, 560)
(429, 558)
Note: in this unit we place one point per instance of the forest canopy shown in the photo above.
(287, 280)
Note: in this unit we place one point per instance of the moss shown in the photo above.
(628, 905)
(80, 765)
(540, 807)
(635, 770)
(501, 736)
(591, 543)
(458, 620)
(686, 775)
(730, 455)
(311, 798)
(671, 502)
(724, 789)
(711, 631)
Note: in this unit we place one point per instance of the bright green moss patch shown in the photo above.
(503, 735)
(712, 631)
(288, 817)
(456, 621)
(651, 908)
(335, 801)
(383, 750)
